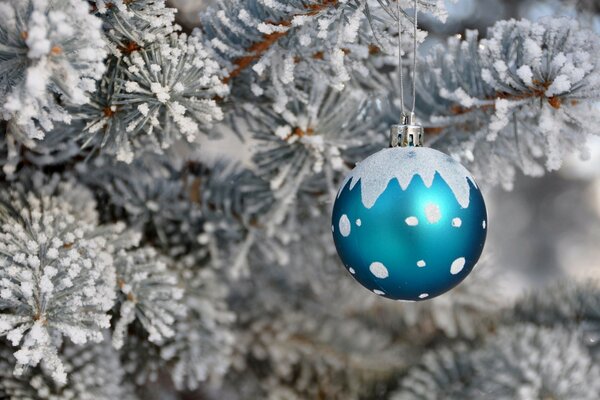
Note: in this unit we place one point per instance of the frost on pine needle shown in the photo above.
(309, 354)
(148, 193)
(314, 128)
(528, 362)
(442, 373)
(169, 89)
(518, 362)
(57, 277)
(564, 304)
(172, 211)
(523, 94)
(95, 373)
(200, 351)
(306, 139)
(273, 42)
(195, 212)
(160, 86)
(230, 189)
(51, 53)
(135, 24)
(129, 27)
(141, 359)
(190, 211)
(58, 146)
(288, 344)
(148, 293)
(456, 314)
(203, 343)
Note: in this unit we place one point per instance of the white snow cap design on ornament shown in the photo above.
(376, 171)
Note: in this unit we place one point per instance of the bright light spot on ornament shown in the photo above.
(457, 265)
(423, 295)
(358, 222)
(421, 263)
(344, 226)
(379, 270)
(456, 222)
(352, 271)
(379, 292)
(412, 221)
(433, 213)
(483, 224)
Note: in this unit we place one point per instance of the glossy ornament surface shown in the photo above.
(409, 223)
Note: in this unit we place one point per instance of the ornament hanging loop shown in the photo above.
(409, 134)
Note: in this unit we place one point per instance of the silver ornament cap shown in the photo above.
(409, 134)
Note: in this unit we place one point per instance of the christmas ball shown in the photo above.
(409, 223)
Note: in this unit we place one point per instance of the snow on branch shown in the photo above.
(50, 53)
(272, 42)
(168, 91)
(148, 292)
(95, 373)
(57, 276)
(522, 361)
(521, 98)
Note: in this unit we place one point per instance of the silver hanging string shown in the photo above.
(408, 132)
(400, 63)
(400, 66)
(414, 79)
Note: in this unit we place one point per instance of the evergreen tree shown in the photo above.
(134, 263)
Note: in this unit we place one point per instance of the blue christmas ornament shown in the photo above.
(409, 223)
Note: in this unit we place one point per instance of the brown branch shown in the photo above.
(538, 91)
(256, 50)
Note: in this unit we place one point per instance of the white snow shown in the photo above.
(379, 292)
(457, 265)
(526, 75)
(403, 163)
(533, 51)
(456, 222)
(144, 109)
(421, 263)
(379, 270)
(358, 222)
(560, 85)
(423, 295)
(352, 271)
(345, 226)
(483, 224)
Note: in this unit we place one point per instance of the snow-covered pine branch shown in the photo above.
(160, 85)
(519, 362)
(272, 43)
(95, 373)
(57, 275)
(200, 349)
(57, 77)
(521, 98)
(305, 144)
(148, 293)
(51, 53)
(570, 304)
